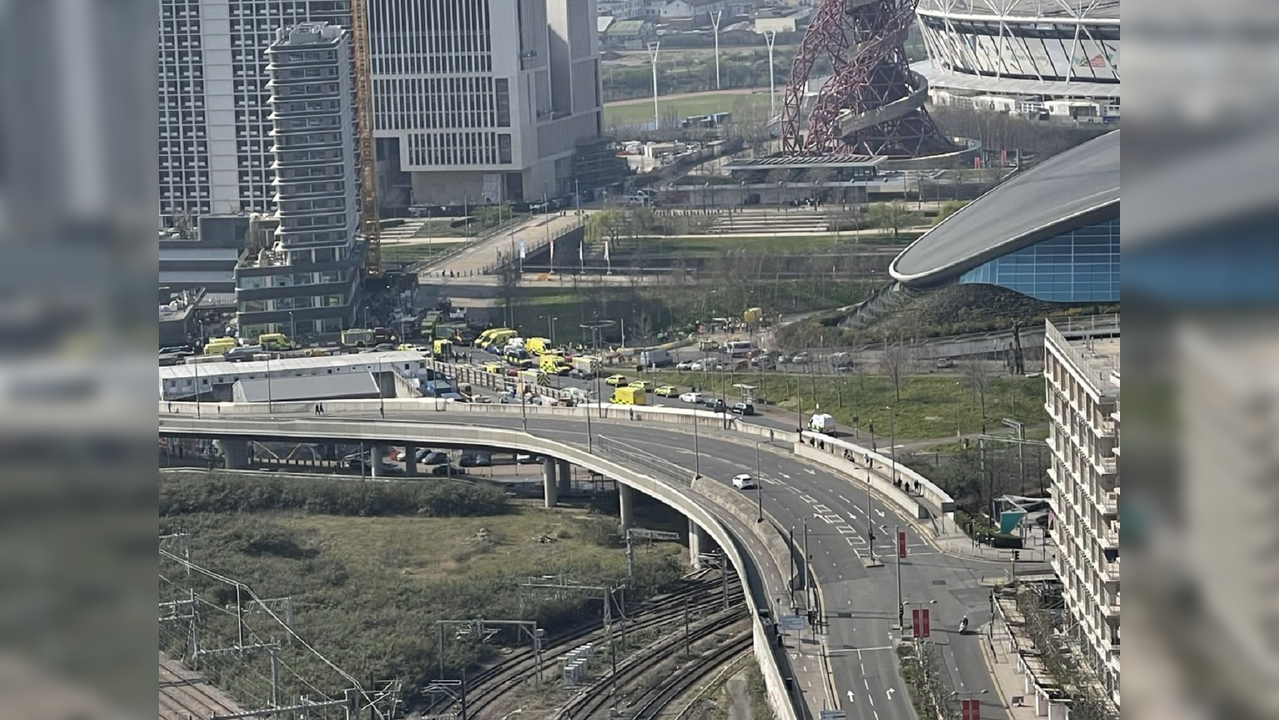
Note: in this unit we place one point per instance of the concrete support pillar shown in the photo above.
(235, 453)
(548, 482)
(375, 462)
(626, 506)
(566, 477)
(410, 461)
(698, 543)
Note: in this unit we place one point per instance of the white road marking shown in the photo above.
(876, 715)
(890, 693)
(809, 471)
(845, 529)
(821, 508)
(841, 497)
(850, 696)
(784, 475)
(866, 682)
(808, 499)
(879, 512)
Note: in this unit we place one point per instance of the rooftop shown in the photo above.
(1078, 87)
(1062, 192)
(311, 387)
(285, 365)
(1049, 9)
(1092, 347)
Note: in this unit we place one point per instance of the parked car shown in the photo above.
(431, 457)
(666, 391)
(443, 470)
(742, 408)
(684, 365)
(697, 366)
(690, 397)
(482, 399)
(526, 459)
(800, 358)
(945, 362)
(479, 459)
(617, 380)
(645, 385)
(744, 481)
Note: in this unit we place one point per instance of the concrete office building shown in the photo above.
(214, 135)
(307, 280)
(480, 101)
(1082, 398)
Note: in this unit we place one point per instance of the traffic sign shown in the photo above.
(833, 715)
(791, 622)
(901, 544)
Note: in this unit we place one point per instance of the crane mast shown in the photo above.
(370, 222)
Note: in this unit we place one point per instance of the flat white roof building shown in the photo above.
(1082, 399)
(178, 382)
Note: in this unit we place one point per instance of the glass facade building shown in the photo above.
(1080, 265)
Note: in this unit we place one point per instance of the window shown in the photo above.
(501, 88)
(504, 149)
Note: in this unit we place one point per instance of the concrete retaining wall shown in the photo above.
(746, 510)
(392, 432)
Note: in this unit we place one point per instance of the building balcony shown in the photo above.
(1111, 575)
(1110, 503)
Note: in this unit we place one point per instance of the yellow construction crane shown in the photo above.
(370, 222)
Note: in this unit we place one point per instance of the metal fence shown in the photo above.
(627, 453)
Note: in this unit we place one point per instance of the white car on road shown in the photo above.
(690, 397)
(744, 481)
(684, 365)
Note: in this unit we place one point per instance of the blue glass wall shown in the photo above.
(1077, 266)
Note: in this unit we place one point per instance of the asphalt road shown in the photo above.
(860, 603)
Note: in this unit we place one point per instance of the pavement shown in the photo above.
(483, 254)
(859, 604)
(741, 707)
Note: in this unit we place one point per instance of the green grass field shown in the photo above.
(931, 406)
(804, 244)
(635, 112)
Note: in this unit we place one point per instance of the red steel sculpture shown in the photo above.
(872, 104)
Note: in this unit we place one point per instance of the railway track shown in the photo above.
(654, 703)
(184, 694)
(586, 704)
(702, 597)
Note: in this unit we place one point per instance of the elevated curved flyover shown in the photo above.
(683, 499)
(802, 485)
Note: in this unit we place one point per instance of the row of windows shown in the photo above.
(441, 103)
(1077, 266)
(467, 148)
(301, 303)
(259, 282)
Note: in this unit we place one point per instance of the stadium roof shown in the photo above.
(1066, 190)
(1047, 9)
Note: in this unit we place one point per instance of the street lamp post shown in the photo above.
(381, 394)
(892, 438)
(759, 487)
(697, 451)
(293, 328)
(270, 403)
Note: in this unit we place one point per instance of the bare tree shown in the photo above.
(896, 362)
(978, 378)
(894, 215)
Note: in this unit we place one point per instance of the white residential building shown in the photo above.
(307, 280)
(1082, 399)
(214, 135)
(483, 100)
(474, 99)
